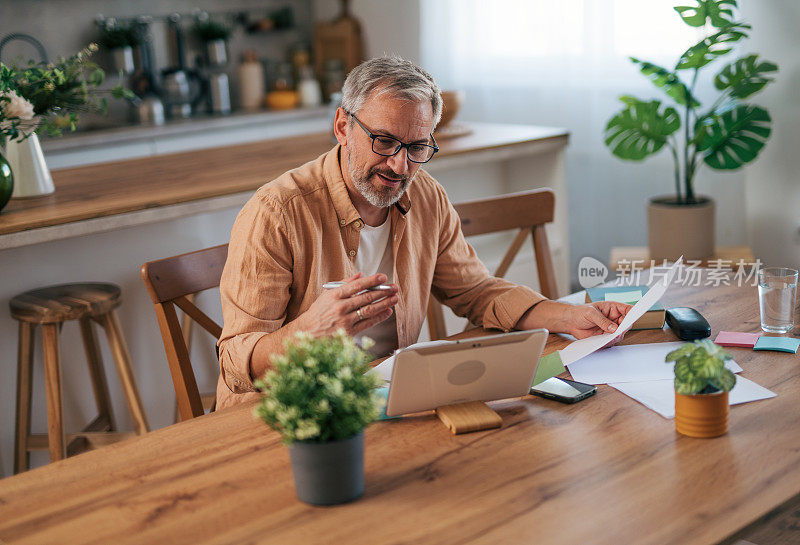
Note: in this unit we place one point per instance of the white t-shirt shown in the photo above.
(375, 256)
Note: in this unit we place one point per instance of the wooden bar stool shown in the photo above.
(50, 307)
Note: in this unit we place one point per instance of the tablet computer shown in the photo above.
(479, 369)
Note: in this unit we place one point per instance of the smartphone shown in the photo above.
(334, 285)
(563, 390)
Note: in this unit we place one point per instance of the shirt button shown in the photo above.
(352, 253)
(358, 224)
(343, 222)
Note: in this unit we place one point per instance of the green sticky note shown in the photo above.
(628, 297)
(549, 366)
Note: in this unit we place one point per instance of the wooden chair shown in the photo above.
(528, 212)
(173, 282)
(49, 308)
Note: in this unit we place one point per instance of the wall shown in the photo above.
(773, 181)
(756, 205)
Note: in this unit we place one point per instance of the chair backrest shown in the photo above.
(528, 212)
(173, 282)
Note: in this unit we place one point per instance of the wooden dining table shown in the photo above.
(605, 470)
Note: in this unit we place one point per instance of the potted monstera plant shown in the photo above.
(319, 399)
(702, 383)
(724, 134)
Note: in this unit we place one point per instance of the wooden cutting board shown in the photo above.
(339, 39)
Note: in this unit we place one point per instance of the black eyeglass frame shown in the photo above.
(400, 146)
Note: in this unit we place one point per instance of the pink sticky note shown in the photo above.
(734, 338)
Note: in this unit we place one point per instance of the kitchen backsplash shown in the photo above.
(66, 26)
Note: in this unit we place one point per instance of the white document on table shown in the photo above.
(384, 369)
(584, 347)
(630, 363)
(659, 395)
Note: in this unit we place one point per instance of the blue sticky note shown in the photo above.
(384, 393)
(779, 344)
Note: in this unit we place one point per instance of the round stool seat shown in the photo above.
(55, 304)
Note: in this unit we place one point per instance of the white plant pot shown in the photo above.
(31, 175)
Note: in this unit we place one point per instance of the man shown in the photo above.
(365, 212)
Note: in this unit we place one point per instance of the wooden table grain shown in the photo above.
(606, 470)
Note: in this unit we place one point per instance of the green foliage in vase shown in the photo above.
(318, 390)
(51, 96)
(700, 368)
(726, 135)
(208, 30)
(118, 35)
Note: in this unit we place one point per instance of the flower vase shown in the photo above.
(31, 175)
(6, 181)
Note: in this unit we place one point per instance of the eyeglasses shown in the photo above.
(389, 146)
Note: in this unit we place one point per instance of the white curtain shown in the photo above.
(564, 63)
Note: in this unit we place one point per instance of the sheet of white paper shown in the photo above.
(384, 368)
(584, 347)
(649, 299)
(659, 395)
(630, 363)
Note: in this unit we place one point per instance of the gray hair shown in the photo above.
(393, 75)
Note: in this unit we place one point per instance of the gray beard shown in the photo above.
(375, 197)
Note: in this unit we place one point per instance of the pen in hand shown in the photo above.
(334, 285)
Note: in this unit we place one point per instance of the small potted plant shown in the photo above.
(319, 399)
(724, 135)
(702, 384)
(214, 37)
(119, 39)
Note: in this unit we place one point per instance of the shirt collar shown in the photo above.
(347, 213)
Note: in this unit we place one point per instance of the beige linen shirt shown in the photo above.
(301, 230)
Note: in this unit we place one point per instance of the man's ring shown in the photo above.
(360, 316)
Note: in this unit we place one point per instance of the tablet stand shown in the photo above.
(468, 417)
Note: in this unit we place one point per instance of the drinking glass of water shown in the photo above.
(777, 290)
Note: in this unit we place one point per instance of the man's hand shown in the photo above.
(346, 308)
(596, 318)
(580, 321)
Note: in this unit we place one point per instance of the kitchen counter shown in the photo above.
(97, 198)
(176, 127)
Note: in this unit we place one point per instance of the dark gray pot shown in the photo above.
(328, 473)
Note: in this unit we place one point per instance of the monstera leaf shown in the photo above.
(668, 81)
(734, 137)
(640, 129)
(745, 76)
(714, 10)
(711, 47)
